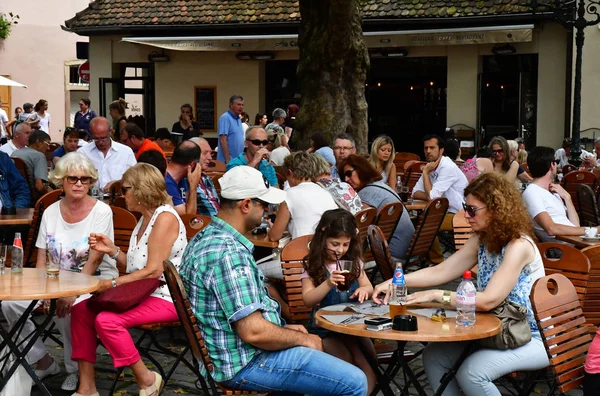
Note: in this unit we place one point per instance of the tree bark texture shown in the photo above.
(332, 71)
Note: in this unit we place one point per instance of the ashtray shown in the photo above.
(405, 323)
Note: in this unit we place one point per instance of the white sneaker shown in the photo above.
(70, 383)
(53, 369)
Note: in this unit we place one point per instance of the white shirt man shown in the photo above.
(3, 122)
(549, 205)
(111, 159)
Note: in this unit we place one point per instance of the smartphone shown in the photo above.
(377, 321)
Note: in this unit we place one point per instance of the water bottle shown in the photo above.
(17, 254)
(399, 184)
(397, 292)
(465, 301)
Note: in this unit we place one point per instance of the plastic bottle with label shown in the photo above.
(398, 292)
(465, 301)
(398, 184)
(17, 254)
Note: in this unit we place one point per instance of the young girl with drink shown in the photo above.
(323, 283)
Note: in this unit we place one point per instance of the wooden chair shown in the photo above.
(588, 207)
(215, 179)
(292, 257)
(115, 193)
(414, 174)
(123, 222)
(563, 328)
(462, 229)
(381, 252)
(572, 180)
(217, 166)
(194, 223)
(591, 302)
(568, 168)
(196, 342)
(427, 228)
(401, 158)
(40, 206)
(560, 258)
(364, 218)
(24, 171)
(387, 218)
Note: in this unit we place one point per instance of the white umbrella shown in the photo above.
(8, 82)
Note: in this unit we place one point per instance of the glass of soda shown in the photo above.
(345, 266)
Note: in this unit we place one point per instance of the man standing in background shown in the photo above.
(230, 131)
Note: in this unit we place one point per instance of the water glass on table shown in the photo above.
(53, 255)
(345, 266)
(3, 251)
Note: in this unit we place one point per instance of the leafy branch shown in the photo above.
(6, 23)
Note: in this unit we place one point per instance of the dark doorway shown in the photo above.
(508, 97)
(407, 99)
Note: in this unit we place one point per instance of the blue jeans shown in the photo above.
(476, 374)
(300, 370)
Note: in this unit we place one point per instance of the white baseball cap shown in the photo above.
(244, 182)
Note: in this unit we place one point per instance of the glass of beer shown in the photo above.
(345, 266)
(53, 255)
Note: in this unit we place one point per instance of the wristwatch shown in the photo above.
(446, 297)
(114, 257)
(114, 282)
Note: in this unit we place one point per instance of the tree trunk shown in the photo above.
(332, 71)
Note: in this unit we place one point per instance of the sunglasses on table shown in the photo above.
(472, 210)
(258, 142)
(75, 179)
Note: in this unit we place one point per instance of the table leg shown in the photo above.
(21, 354)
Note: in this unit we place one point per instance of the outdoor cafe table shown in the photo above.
(33, 284)
(485, 326)
(416, 204)
(261, 240)
(23, 217)
(577, 241)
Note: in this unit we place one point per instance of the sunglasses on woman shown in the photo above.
(124, 189)
(499, 151)
(75, 179)
(348, 173)
(472, 210)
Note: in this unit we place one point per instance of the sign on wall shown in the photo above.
(205, 107)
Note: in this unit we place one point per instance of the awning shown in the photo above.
(401, 38)
(10, 83)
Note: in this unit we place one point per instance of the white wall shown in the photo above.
(590, 98)
(35, 52)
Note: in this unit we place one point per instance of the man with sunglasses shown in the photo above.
(256, 154)
(548, 204)
(441, 178)
(250, 345)
(111, 159)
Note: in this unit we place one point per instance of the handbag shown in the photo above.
(124, 297)
(515, 330)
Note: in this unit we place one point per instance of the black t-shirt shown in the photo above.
(186, 132)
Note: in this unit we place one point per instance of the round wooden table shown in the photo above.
(22, 217)
(33, 284)
(486, 325)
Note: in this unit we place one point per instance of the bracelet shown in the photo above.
(114, 256)
(446, 297)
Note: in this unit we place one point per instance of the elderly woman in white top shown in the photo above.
(64, 231)
(159, 235)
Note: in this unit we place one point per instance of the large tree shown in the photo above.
(332, 71)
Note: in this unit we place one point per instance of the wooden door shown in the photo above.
(5, 96)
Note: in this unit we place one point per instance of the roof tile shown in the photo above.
(194, 12)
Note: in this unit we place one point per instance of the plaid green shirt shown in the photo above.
(224, 285)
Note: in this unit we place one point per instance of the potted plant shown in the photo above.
(6, 22)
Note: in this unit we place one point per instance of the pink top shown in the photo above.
(592, 361)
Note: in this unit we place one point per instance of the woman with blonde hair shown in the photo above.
(280, 149)
(64, 233)
(508, 264)
(382, 159)
(159, 235)
(117, 113)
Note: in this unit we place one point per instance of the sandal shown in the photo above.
(155, 388)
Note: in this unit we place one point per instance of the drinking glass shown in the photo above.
(53, 255)
(3, 250)
(404, 196)
(345, 266)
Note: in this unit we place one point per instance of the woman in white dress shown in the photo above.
(41, 108)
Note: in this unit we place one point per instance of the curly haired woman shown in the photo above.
(509, 263)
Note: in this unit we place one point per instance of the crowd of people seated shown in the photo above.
(313, 192)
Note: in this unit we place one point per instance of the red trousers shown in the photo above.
(112, 329)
